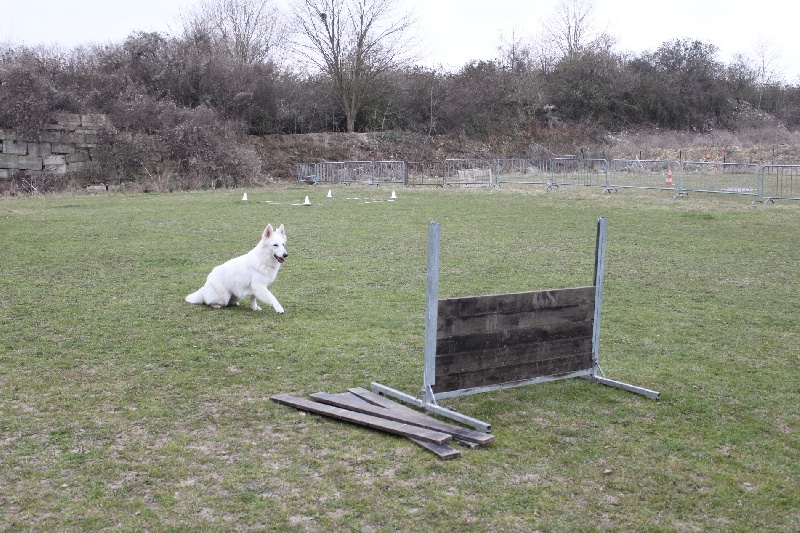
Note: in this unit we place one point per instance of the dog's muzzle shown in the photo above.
(280, 258)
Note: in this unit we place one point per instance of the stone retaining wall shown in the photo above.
(65, 147)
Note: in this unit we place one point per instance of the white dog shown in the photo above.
(247, 275)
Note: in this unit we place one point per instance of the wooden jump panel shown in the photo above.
(498, 339)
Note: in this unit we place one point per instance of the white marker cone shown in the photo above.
(307, 201)
(329, 194)
(394, 196)
(244, 198)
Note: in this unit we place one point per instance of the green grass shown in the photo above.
(122, 407)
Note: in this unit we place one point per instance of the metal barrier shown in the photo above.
(466, 172)
(358, 172)
(578, 171)
(346, 172)
(518, 171)
(330, 172)
(424, 173)
(720, 178)
(766, 183)
(645, 174)
(307, 172)
(779, 182)
(392, 172)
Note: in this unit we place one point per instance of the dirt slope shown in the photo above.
(280, 154)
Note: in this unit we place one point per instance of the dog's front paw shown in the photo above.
(278, 308)
(255, 307)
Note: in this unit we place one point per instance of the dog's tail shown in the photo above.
(196, 297)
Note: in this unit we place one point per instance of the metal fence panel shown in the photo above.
(523, 171)
(329, 172)
(424, 173)
(722, 178)
(358, 172)
(345, 172)
(307, 172)
(780, 182)
(645, 174)
(579, 171)
(767, 183)
(469, 172)
(392, 172)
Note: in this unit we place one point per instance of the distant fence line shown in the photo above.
(763, 183)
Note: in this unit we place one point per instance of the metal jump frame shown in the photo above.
(427, 399)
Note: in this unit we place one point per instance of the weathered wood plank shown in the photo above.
(513, 373)
(443, 451)
(373, 422)
(385, 402)
(377, 399)
(353, 402)
(510, 322)
(511, 355)
(497, 339)
(516, 302)
(481, 341)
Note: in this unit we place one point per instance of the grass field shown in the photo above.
(124, 408)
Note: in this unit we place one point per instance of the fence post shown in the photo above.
(431, 313)
(599, 268)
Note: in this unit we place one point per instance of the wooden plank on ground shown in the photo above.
(373, 422)
(443, 451)
(352, 402)
(474, 437)
(383, 401)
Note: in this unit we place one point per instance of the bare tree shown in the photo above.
(765, 58)
(250, 31)
(572, 30)
(353, 42)
(544, 53)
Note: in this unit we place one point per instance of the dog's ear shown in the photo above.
(281, 230)
(269, 231)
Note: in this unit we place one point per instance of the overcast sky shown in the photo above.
(455, 31)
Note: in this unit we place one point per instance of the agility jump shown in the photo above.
(485, 343)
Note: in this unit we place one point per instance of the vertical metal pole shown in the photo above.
(431, 312)
(599, 267)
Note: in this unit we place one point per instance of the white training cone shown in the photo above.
(244, 198)
(329, 194)
(394, 196)
(307, 201)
